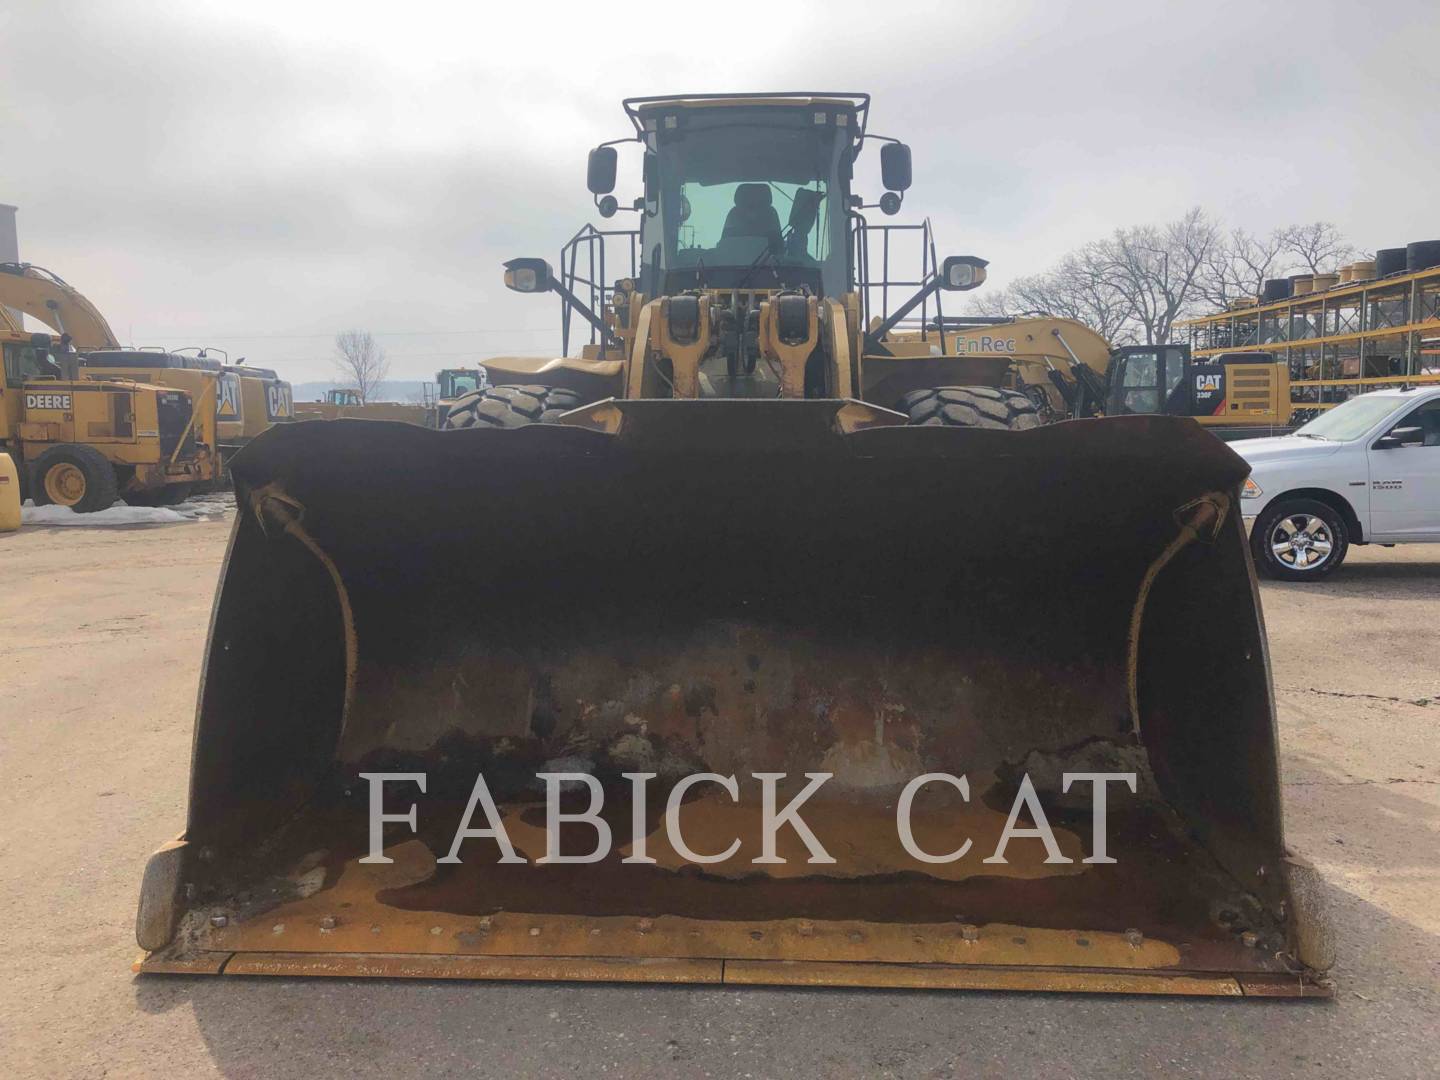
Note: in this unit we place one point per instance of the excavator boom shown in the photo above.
(46, 297)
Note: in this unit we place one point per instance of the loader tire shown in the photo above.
(169, 495)
(970, 406)
(510, 406)
(74, 475)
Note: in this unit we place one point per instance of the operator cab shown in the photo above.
(25, 363)
(746, 197)
(746, 201)
(1148, 379)
(453, 382)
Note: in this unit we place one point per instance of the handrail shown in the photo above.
(597, 285)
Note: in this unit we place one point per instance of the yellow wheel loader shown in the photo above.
(759, 643)
(84, 442)
(349, 404)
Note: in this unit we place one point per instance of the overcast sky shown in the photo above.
(258, 175)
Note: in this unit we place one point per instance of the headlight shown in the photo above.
(528, 275)
(1251, 490)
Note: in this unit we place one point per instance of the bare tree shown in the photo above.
(1078, 288)
(1135, 286)
(1317, 248)
(361, 362)
(1157, 270)
(1239, 264)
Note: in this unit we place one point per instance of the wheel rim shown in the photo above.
(1301, 542)
(65, 484)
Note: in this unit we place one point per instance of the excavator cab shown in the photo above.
(1149, 379)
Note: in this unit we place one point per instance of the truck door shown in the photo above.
(1405, 477)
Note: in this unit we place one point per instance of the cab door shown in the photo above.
(1405, 478)
(1148, 380)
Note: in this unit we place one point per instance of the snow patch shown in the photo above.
(201, 508)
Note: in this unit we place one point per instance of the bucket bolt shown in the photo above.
(1134, 937)
(329, 922)
(219, 922)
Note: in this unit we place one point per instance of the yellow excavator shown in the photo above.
(768, 640)
(1070, 372)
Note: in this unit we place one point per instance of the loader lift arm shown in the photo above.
(47, 297)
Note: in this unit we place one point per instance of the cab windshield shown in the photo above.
(748, 201)
(25, 362)
(456, 383)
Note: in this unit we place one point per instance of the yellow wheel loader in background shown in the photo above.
(450, 384)
(755, 644)
(347, 402)
(84, 442)
(235, 402)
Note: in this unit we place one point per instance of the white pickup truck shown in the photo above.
(1365, 472)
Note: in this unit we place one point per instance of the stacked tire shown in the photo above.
(510, 407)
(970, 407)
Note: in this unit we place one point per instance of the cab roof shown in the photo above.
(638, 107)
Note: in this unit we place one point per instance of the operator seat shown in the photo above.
(753, 215)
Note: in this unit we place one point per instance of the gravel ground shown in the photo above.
(99, 653)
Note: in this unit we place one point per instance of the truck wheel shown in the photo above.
(970, 406)
(76, 476)
(1299, 540)
(510, 406)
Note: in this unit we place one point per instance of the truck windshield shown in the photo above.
(755, 202)
(1349, 420)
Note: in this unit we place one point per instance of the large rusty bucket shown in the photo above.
(785, 601)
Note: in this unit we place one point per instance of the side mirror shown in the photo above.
(600, 170)
(961, 272)
(1395, 438)
(895, 166)
(529, 275)
(607, 206)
